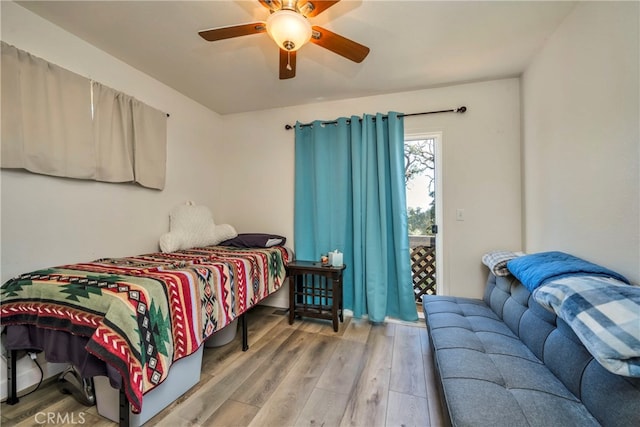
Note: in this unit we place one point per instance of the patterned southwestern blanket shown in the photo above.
(143, 313)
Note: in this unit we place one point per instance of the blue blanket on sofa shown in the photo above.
(536, 269)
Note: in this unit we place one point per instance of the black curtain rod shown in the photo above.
(333, 122)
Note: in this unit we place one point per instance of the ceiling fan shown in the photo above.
(289, 27)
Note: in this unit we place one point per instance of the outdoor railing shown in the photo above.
(423, 265)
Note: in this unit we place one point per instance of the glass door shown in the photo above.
(422, 187)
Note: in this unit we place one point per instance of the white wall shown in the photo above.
(581, 138)
(48, 221)
(481, 169)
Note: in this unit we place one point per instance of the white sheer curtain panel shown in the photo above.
(46, 117)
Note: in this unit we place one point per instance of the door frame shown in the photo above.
(441, 287)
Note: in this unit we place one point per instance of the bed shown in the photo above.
(132, 318)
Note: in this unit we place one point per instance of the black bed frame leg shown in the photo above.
(123, 417)
(12, 391)
(245, 339)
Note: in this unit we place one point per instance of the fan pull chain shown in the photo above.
(289, 60)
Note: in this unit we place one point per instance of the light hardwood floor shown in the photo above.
(303, 374)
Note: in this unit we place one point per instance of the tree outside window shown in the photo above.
(419, 166)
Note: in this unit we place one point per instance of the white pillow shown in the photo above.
(192, 226)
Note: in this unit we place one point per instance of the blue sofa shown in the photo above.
(504, 360)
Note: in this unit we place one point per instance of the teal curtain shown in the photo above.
(350, 195)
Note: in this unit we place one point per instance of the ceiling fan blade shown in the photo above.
(287, 64)
(231, 31)
(271, 4)
(338, 44)
(315, 7)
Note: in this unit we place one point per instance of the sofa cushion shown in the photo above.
(610, 397)
(470, 401)
(527, 372)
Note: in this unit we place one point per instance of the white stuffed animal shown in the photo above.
(192, 226)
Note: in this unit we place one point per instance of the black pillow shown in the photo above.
(255, 240)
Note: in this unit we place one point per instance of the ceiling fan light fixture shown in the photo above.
(289, 29)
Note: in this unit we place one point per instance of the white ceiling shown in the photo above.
(414, 45)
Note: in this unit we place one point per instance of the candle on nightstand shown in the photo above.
(336, 259)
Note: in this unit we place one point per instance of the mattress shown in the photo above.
(140, 314)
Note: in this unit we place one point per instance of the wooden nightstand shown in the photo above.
(315, 291)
